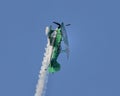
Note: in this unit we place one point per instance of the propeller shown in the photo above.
(59, 25)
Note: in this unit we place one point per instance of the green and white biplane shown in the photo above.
(56, 37)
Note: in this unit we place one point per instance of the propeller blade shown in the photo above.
(56, 23)
(67, 24)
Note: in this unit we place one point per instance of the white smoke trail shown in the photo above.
(43, 74)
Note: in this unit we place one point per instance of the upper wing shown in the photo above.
(65, 39)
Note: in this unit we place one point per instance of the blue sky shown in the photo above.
(94, 37)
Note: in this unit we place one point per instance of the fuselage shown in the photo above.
(55, 41)
(57, 45)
